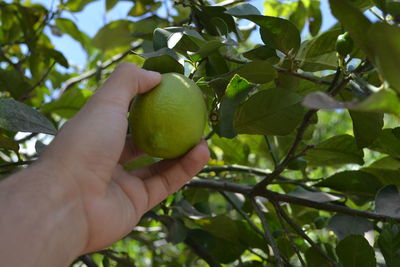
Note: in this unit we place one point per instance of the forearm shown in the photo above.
(40, 223)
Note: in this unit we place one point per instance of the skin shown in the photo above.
(77, 198)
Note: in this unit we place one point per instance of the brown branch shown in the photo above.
(110, 254)
(26, 138)
(292, 243)
(88, 261)
(18, 163)
(74, 80)
(26, 94)
(242, 213)
(303, 76)
(267, 233)
(274, 196)
(281, 214)
(332, 91)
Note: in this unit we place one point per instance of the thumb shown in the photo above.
(125, 82)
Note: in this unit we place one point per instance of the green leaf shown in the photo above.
(315, 259)
(215, 20)
(315, 17)
(260, 53)
(57, 56)
(8, 143)
(77, 5)
(389, 244)
(274, 111)
(276, 32)
(68, 104)
(387, 201)
(354, 22)
(313, 196)
(116, 33)
(383, 41)
(384, 101)
(68, 27)
(217, 246)
(18, 117)
(322, 44)
(236, 91)
(353, 183)
(354, 251)
(258, 72)
(344, 225)
(110, 4)
(337, 150)
(177, 231)
(388, 142)
(11, 81)
(163, 64)
(366, 127)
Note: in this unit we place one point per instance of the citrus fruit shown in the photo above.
(169, 120)
(344, 44)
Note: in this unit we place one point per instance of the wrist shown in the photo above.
(46, 218)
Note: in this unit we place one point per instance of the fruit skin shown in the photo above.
(344, 44)
(169, 120)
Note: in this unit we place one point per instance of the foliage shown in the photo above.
(304, 140)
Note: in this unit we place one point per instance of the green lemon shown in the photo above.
(344, 44)
(169, 120)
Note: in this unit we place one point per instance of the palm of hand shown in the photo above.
(111, 199)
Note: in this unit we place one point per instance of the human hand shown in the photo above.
(87, 155)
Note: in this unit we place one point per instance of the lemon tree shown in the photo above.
(301, 117)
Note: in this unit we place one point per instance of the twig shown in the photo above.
(303, 76)
(201, 252)
(242, 213)
(236, 168)
(71, 82)
(274, 196)
(281, 214)
(209, 135)
(272, 151)
(267, 234)
(88, 261)
(26, 138)
(18, 163)
(228, 3)
(26, 94)
(332, 91)
(292, 244)
(110, 254)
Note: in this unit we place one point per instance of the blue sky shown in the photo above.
(94, 16)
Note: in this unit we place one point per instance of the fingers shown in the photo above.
(169, 176)
(96, 135)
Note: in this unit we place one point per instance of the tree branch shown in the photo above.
(292, 244)
(281, 214)
(26, 94)
(71, 82)
(274, 196)
(110, 254)
(88, 261)
(332, 91)
(242, 213)
(267, 234)
(18, 163)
